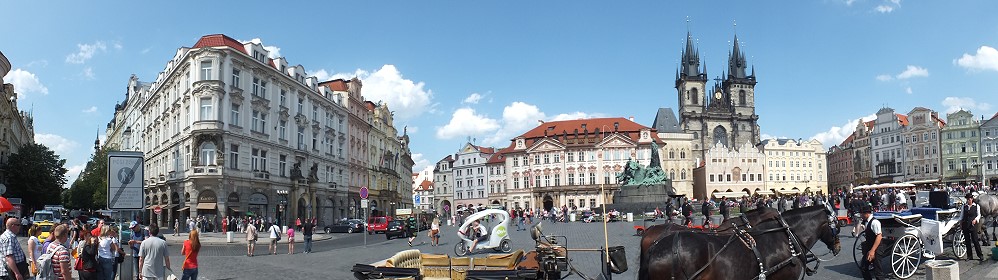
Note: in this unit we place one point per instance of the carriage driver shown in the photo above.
(873, 233)
(971, 217)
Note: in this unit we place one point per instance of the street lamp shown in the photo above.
(282, 208)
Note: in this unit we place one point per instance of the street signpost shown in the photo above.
(125, 181)
(157, 210)
(364, 192)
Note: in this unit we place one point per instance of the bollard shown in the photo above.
(571, 217)
(228, 237)
(125, 269)
(942, 270)
(630, 217)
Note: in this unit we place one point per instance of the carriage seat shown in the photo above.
(404, 259)
(434, 267)
(895, 220)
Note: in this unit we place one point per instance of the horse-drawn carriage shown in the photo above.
(911, 236)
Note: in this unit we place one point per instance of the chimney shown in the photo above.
(540, 122)
(631, 118)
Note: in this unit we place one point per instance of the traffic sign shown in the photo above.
(125, 179)
(363, 203)
(158, 210)
(363, 192)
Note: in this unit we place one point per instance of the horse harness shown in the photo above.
(745, 236)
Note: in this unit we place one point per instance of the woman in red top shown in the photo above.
(190, 251)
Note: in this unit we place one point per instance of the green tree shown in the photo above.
(36, 175)
(89, 191)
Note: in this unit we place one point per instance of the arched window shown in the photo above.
(695, 96)
(207, 153)
(720, 135)
(682, 154)
(672, 154)
(672, 174)
(683, 175)
(741, 98)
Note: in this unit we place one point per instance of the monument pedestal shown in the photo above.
(641, 198)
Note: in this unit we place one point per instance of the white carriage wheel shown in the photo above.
(906, 255)
(957, 242)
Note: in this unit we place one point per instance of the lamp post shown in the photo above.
(282, 208)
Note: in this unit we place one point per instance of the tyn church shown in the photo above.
(725, 113)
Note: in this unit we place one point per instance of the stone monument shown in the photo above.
(642, 188)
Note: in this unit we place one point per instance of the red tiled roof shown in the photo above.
(271, 62)
(499, 157)
(869, 124)
(370, 105)
(848, 139)
(219, 40)
(485, 150)
(902, 119)
(336, 85)
(941, 122)
(567, 128)
(426, 185)
(449, 158)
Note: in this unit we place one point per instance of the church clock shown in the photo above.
(717, 95)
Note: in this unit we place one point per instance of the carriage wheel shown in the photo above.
(460, 249)
(906, 255)
(956, 241)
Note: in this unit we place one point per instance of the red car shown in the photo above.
(378, 224)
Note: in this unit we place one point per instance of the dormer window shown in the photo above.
(259, 56)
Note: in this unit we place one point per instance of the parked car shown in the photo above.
(378, 224)
(46, 228)
(348, 226)
(395, 229)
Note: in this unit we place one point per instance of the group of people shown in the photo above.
(276, 233)
(94, 252)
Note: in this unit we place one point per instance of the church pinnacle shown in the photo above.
(736, 61)
(690, 65)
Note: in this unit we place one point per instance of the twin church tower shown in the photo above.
(725, 112)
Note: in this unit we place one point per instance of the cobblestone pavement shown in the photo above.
(333, 258)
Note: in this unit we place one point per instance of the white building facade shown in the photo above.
(735, 170)
(921, 146)
(470, 187)
(888, 155)
(989, 150)
(793, 165)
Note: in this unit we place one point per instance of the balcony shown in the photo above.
(208, 125)
(261, 174)
(206, 171)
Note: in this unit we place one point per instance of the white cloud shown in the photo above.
(406, 98)
(888, 6)
(88, 73)
(884, 78)
(765, 136)
(517, 118)
(92, 109)
(836, 134)
(56, 143)
(322, 75)
(849, 2)
(575, 116)
(85, 52)
(913, 71)
(883, 9)
(907, 90)
(73, 172)
(421, 163)
(40, 63)
(25, 82)
(473, 98)
(466, 122)
(273, 51)
(954, 104)
(986, 58)
(145, 50)
(117, 45)
(412, 129)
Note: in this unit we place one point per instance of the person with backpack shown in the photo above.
(15, 263)
(54, 263)
(154, 258)
(275, 235)
(251, 237)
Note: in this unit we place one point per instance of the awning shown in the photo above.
(184, 209)
(206, 206)
(923, 181)
(234, 208)
(150, 207)
(764, 192)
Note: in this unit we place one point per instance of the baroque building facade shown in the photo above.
(565, 163)
(921, 146)
(676, 153)
(959, 143)
(18, 126)
(989, 150)
(229, 131)
(443, 186)
(732, 170)
(470, 175)
(888, 158)
(841, 172)
(795, 165)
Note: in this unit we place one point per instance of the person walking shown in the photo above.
(971, 217)
(275, 235)
(107, 246)
(435, 232)
(192, 246)
(15, 263)
(176, 227)
(154, 258)
(138, 235)
(410, 229)
(870, 264)
(60, 254)
(306, 233)
(34, 247)
(291, 240)
(251, 237)
(87, 265)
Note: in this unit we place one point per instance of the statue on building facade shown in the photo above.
(296, 171)
(313, 173)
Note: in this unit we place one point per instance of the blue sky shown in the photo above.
(491, 69)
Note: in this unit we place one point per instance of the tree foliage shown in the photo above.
(36, 175)
(89, 191)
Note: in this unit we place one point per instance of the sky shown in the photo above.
(489, 70)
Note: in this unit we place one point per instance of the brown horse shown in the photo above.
(657, 232)
(690, 255)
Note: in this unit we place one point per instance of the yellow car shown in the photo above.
(46, 228)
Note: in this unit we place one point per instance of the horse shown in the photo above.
(780, 248)
(655, 233)
(989, 210)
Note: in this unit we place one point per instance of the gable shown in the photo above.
(546, 145)
(616, 141)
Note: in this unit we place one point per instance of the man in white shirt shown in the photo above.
(870, 265)
(971, 216)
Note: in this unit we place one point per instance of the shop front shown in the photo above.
(257, 205)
